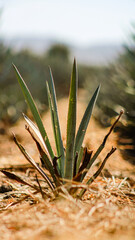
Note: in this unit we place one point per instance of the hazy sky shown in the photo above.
(80, 22)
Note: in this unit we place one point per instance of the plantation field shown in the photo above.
(107, 210)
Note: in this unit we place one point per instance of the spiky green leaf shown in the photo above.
(34, 111)
(84, 123)
(55, 122)
(71, 124)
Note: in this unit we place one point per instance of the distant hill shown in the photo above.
(94, 55)
(98, 54)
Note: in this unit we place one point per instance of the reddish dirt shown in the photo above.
(106, 212)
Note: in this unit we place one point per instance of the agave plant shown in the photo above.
(71, 164)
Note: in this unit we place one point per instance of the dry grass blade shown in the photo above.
(36, 131)
(41, 191)
(102, 144)
(85, 161)
(17, 167)
(55, 166)
(18, 179)
(42, 173)
(19, 201)
(96, 174)
(44, 158)
(112, 127)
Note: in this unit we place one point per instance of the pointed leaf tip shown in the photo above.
(34, 111)
(71, 123)
(85, 121)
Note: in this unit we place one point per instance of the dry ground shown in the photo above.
(106, 212)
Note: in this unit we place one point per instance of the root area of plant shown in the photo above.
(107, 210)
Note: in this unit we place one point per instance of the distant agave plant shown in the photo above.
(71, 164)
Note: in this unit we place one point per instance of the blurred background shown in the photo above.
(100, 34)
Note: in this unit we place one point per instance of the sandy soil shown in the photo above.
(106, 212)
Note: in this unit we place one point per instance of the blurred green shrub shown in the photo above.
(58, 58)
(59, 51)
(117, 92)
(118, 85)
(35, 70)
